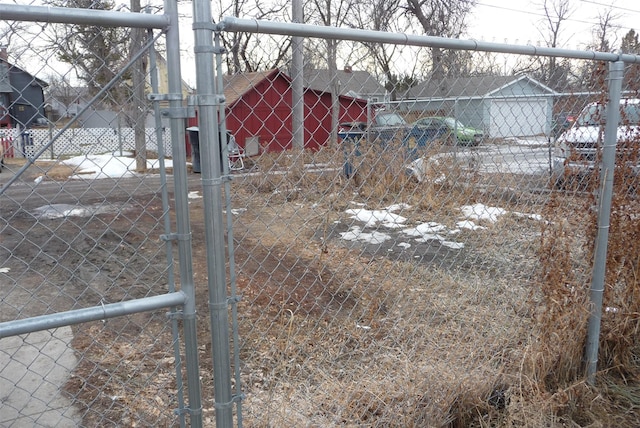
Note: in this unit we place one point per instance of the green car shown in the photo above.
(453, 130)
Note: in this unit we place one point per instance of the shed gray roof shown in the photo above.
(468, 86)
(353, 83)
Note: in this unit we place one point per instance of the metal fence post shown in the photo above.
(209, 100)
(604, 213)
(182, 217)
(175, 333)
(234, 298)
(297, 86)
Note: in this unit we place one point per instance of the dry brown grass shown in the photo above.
(526, 374)
(54, 170)
(620, 338)
(417, 345)
(556, 363)
(332, 336)
(433, 365)
(57, 170)
(414, 361)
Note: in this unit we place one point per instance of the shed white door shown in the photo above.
(518, 118)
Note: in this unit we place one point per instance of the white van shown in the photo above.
(577, 151)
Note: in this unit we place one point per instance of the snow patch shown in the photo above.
(356, 234)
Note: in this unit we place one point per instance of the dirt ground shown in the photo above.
(330, 333)
(81, 262)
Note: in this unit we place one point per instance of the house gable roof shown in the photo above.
(354, 83)
(5, 84)
(39, 82)
(163, 78)
(527, 80)
(5, 72)
(477, 86)
(236, 85)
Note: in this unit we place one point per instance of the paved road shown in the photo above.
(32, 368)
(514, 159)
(28, 192)
(505, 158)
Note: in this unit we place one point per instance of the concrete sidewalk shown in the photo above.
(33, 371)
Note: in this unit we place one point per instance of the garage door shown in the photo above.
(518, 118)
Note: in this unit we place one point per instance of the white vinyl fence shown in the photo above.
(79, 141)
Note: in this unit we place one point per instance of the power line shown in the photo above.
(527, 12)
(579, 21)
(611, 6)
(509, 9)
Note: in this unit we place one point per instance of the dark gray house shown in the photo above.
(504, 106)
(21, 95)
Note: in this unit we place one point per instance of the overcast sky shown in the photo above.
(501, 21)
(520, 21)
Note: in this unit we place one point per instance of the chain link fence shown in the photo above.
(359, 251)
(431, 264)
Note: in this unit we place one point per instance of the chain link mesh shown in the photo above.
(82, 216)
(418, 253)
(405, 272)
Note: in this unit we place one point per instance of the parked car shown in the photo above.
(384, 118)
(561, 123)
(454, 131)
(386, 129)
(388, 126)
(577, 151)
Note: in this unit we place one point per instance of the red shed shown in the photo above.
(259, 112)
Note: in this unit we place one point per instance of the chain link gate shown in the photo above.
(387, 256)
(95, 182)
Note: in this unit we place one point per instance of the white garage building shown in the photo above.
(503, 106)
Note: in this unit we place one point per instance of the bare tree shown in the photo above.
(138, 106)
(551, 71)
(604, 31)
(443, 18)
(383, 15)
(486, 64)
(10, 38)
(335, 13)
(244, 57)
(96, 54)
(62, 94)
(590, 74)
(556, 13)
